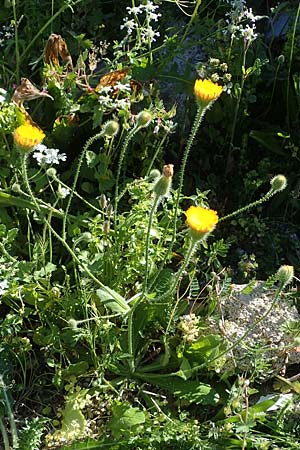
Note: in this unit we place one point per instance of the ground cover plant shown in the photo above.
(148, 189)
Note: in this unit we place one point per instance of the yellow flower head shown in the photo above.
(27, 136)
(201, 220)
(206, 91)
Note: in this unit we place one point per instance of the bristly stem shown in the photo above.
(266, 197)
(17, 72)
(128, 138)
(150, 222)
(60, 238)
(89, 142)
(197, 121)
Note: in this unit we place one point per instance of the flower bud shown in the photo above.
(102, 201)
(51, 173)
(143, 119)
(278, 183)
(281, 59)
(106, 226)
(16, 188)
(163, 184)
(285, 274)
(73, 324)
(110, 210)
(155, 173)
(111, 128)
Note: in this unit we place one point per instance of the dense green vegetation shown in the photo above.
(149, 224)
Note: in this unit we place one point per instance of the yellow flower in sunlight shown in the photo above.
(27, 136)
(201, 221)
(206, 91)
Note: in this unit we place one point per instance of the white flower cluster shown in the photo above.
(3, 286)
(47, 156)
(6, 32)
(241, 21)
(131, 22)
(109, 101)
(2, 95)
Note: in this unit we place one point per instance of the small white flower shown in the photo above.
(150, 7)
(62, 192)
(135, 9)
(45, 155)
(123, 103)
(3, 93)
(123, 87)
(149, 34)
(3, 286)
(105, 89)
(129, 24)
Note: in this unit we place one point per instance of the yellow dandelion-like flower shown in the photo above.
(207, 91)
(27, 136)
(201, 220)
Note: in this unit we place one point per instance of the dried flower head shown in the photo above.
(201, 221)
(27, 136)
(26, 91)
(206, 91)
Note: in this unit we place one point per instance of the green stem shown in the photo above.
(128, 138)
(197, 121)
(17, 72)
(251, 205)
(156, 153)
(237, 107)
(89, 142)
(191, 21)
(60, 238)
(290, 64)
(190, 251)
(150, 222)
(13, 428)
(4, 435)
(49, 22)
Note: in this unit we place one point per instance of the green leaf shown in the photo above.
(125, 420)
(268, 140)
(92, 158)
(191, 391)
(112, 300)
(75, 369)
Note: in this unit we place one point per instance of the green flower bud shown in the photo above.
(163, 184)
(111, 128)
(285, 274)
(278, 183)
(51, 173)
(73, 324)
(106, 226)
(155, 173)
(110, 210)
(281, 59)
(143, 119)
(16, 188)
(102, 201)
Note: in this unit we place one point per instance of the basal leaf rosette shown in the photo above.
(201, 221)
(27, 136)
(206, 91)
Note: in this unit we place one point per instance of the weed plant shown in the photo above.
(109, 269)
